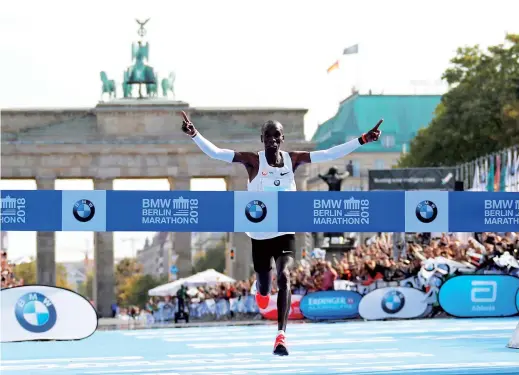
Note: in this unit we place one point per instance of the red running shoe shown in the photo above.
(262, 301)
(280, 346)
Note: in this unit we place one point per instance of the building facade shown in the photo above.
(404, 116)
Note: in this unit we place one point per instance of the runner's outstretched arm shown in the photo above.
(336, 152)
(208, 148)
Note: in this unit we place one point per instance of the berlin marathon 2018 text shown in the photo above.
(341, 211)
(13, 210)
(170, 211)
(501, 211)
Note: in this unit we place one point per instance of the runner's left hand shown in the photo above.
(374, 134)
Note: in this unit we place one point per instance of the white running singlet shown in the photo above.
(272, 179)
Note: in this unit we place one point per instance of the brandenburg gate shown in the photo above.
(136, 138)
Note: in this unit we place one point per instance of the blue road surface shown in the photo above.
(435, 346)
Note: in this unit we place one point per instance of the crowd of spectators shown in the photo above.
(9, 279)
(374, 260)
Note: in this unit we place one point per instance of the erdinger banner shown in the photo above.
(471, 296)
(36, 312)
(412, 179)
(338, 304)
(393, 303)
(271, 312)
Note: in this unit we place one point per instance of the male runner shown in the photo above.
(273, 170)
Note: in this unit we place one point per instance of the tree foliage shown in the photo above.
(27, 272)
(213, 258)
(132, 285)
(86, 289)
(479, 115)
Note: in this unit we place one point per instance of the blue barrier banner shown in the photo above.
(488, 212)
(170, 211)
(340, 304)
(210, 211)
(341, 211)
(471, 296)
(29, 210)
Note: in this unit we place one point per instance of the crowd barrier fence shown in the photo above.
(189, 211)
(464, 296)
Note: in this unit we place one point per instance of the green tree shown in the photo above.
(125, 272)
(479, 114)
(27, 272)
(86, 289)
(135, 289)
(213, 258)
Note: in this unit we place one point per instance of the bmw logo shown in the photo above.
(277, 182)
(256, 211)
(35, 312)
(426, 211)
(84, 210)
(393, 301)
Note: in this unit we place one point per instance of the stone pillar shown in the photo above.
(303, 239)
(241, 268)
(104, 277)
(182, 240)
(45, 245)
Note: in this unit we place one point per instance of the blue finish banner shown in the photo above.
(489, 212)
(170, 211)
(472, 296)
(341, 211)
(210, 211)
(29, 210)
(340, 304)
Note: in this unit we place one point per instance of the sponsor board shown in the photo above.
(483, 212)
(341, 211)
(393, 303)
(83, 210)
(412, 179)
(24, 210)
(271, 312)
(175, 211)
(426, 211)
(472, 296)
(255, 211)
(37, 312)
(338, 304)
(241, 211)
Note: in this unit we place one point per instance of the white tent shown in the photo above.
(169, 289)
(208, 277)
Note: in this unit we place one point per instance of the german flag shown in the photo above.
(333, 67)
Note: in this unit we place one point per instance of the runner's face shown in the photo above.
(273, 137)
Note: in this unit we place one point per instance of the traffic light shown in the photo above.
(303, 253)
(231, 253)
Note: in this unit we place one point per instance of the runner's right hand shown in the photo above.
(187, 125)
